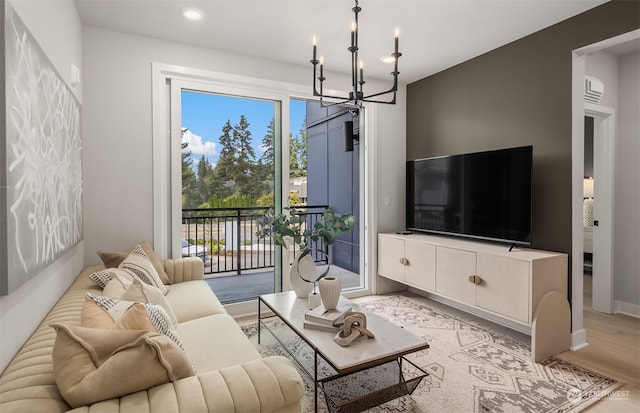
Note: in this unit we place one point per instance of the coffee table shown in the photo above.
(391, 344)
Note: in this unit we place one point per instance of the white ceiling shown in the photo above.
(434, 34)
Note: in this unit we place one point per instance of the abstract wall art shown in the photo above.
(40, 160)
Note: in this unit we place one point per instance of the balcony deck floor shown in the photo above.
(248, 286)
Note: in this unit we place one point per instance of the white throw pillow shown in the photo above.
(140, 266)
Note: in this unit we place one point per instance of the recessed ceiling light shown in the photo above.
(388, 59)
(192, 13)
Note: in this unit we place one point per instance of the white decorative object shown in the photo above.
(593, 89)
(314, 300)
(587, 209)
(353, 326)
(303, 264)
(330, 288)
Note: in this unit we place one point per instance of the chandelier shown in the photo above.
(356, 95)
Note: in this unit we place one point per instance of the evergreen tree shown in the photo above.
(298, 153)
(223, 183)
(243, 172)
(205, 179)
(302, 153)
(189, 189)
(269, 145)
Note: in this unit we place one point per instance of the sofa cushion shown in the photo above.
(219, 332)
(97, 308)
(114, 259)
(193, 299)
(91, 364)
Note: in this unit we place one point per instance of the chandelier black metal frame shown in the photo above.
(356, 95)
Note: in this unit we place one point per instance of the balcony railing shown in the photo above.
(228, 236)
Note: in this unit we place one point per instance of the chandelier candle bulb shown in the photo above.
(315, 48)
(396, 40)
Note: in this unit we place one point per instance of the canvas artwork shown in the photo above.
(42, 183)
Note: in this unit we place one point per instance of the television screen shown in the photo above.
(484, 195)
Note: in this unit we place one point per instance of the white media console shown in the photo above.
(520, 288)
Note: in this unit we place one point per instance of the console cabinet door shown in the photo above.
(390, 254)
(505, 286)
(421, 268)
(453, 268)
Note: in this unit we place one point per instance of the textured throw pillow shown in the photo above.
(143, 293)
(90, 365)
(114, 259)
(96, 306)
(101, 277)
(139, 264)
(120, 281)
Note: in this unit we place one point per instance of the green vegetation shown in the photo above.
(291, 226)
(239, 179)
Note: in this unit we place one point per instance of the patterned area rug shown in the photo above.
(471, 368)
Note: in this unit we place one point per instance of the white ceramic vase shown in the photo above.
(303, 265)
(330, 289)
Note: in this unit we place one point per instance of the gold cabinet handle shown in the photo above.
(404, 261)
(475, 279)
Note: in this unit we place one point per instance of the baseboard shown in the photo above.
(243, 309)
(630, 309)
(578, 340)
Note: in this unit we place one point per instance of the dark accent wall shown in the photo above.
(518, 94)
(333, 176)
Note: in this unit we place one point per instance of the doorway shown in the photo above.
(604, 121)
(598, 208)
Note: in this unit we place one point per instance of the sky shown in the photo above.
(205, 114)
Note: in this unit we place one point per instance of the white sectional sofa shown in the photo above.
(225, 372)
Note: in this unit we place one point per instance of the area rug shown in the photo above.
(472, 367)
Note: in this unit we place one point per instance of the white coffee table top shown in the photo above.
(390, 343)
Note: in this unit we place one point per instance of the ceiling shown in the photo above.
(434, 34)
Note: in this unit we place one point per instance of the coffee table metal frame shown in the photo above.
(392, 343)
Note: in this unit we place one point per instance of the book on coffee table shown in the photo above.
(322, 327)
(329, 318)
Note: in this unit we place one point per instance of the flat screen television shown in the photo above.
(482, 195)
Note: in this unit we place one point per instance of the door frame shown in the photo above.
(163, 74)
(578, 71)
(603, 178)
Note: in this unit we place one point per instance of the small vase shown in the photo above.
(330, 289)
(302, 265)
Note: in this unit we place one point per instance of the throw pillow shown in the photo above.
(143, 293)
(90, 365)
(114, 259)
(116, 309)
(101, 277)
(140, 265)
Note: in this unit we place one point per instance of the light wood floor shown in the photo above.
(614, 351)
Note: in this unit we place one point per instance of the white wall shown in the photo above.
(626, 229)
(56, 27)
(115, 94)
(622, 86)
(118, 120)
